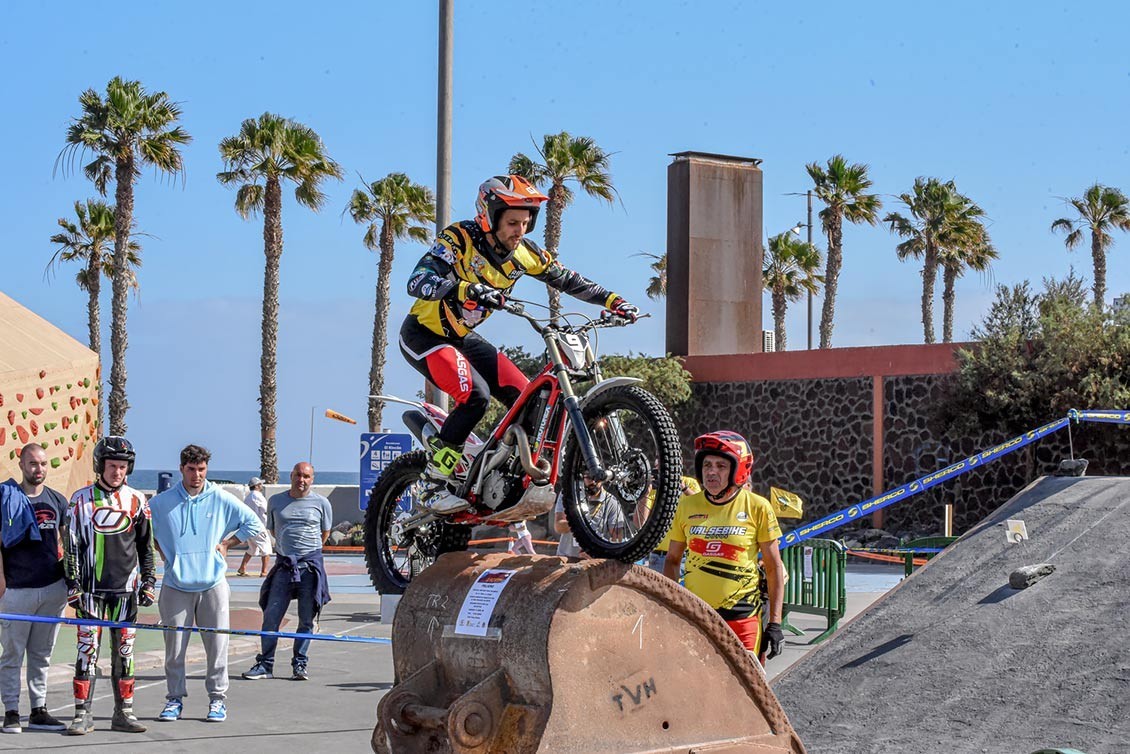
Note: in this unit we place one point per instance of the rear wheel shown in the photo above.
(637, 442)
(394, 556)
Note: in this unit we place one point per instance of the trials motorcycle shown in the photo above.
(553, 441)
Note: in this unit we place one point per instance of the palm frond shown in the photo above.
(249, 199)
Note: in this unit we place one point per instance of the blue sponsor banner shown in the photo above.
(890, 497)
(378, 450)
(1105, 416)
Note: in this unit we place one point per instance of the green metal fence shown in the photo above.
(816, 583)
(928, 542)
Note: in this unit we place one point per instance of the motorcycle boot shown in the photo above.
(125, 721)
(436, 495)
(82, 723)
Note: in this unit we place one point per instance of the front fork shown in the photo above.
(596, 472)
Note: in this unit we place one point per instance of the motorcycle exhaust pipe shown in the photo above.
(539, 471)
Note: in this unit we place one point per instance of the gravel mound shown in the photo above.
(955, 659)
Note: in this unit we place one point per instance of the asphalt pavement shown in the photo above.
(333, 711)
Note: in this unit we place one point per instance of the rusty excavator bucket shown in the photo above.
(516, 654)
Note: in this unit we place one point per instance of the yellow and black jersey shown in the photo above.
(462, 255)
(722, 548)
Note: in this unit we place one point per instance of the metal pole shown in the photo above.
(809, 193)
(443, 113)
(310, 460)
(432, 394)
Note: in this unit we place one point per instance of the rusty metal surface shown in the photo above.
(590, 656)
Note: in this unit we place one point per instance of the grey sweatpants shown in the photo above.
(208, 609)
(36, 640)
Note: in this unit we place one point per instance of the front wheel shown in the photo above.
(394, 556)
(625, 517)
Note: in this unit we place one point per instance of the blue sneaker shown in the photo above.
(217, 711)
(258, 672)
(172, 711)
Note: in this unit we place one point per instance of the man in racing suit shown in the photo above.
(467, 274)
(110, 570)
(722, 530)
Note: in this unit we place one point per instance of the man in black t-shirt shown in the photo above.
(31, 583)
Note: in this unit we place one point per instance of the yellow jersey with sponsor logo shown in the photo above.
(462, 256)
(692, 486)
(722, 547)
(459, 246)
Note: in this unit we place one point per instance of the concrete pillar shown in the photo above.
(714, 234)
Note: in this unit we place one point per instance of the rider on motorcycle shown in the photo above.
(467, 274)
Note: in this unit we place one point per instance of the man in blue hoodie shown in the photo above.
(190, 523)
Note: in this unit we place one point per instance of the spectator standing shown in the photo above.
(191, 522)
(300, 520)
(31, 583)
(522, 543)
(722, 530)
(604, 514)
(110, 571)
(258, 546)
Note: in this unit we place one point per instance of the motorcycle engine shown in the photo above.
(501, 488)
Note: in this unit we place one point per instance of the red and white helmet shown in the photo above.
(729, 445)
(503, 192)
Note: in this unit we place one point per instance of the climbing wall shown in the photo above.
(48, 395)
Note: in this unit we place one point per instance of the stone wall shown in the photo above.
(814, 437)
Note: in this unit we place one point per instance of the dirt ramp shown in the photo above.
(956, 660)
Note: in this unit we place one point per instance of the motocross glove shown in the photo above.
(771, 639)
(146, 594)
(622, 308)
(74, 597)
(484, 295)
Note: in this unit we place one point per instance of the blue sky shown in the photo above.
(1020, 104)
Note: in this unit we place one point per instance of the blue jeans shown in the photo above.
(278, 600)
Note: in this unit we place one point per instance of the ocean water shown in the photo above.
(146, 479)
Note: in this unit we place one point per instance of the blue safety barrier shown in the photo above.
(192, 629)
(890, 497)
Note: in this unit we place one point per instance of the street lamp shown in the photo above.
(796, 229)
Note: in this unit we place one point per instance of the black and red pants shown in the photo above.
(469, 369)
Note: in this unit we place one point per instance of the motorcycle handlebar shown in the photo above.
(606, 319)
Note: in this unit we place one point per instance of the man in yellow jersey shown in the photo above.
(722, 529)
(466, 275)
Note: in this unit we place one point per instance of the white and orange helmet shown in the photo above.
(503, 192)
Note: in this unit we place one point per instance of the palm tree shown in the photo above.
(127, 130)
(940, 219)
(564, 159)
(1101, 209)
(841, 186)
(973, 251)
(789, 273)
(264, 153)
(86, 241)
(657, 283)
(404, 210)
